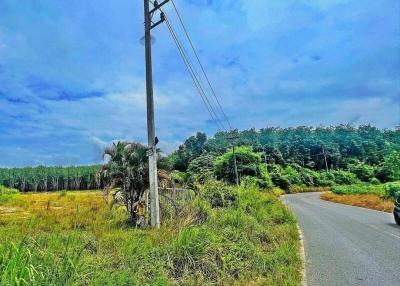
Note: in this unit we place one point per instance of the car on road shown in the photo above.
(396, 211)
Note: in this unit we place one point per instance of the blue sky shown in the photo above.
(72, 72)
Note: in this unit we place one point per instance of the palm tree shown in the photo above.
(127, 171)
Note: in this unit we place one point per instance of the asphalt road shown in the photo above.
(346, 245)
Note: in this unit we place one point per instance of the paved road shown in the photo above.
(346, 245)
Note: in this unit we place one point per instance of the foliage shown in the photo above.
(202, 168)
(44, 179)
(389, 169)
(7, 191)
(83, 242)
(248, 164)
(218, 194)
(6, 194)
(386, 191)
(306, 146)
(307, 189)
(343, 178)
(358, 189)
(279, 176)
(375, 181)
(127, 170)
(191, 149)
(392, 190)
(363, 171)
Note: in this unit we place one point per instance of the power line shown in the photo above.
(200, 64)
(194, 76)
(193, 73)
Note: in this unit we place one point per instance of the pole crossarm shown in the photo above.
(158, 6)
(162, 19)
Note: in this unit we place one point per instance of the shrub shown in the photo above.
(374, 181)
(278, 176)
(385, 173)
(392, 190)
(358, 189)
(309, 177)
(249, 182)
(219, 194)
(293, 175)
(303, 189)
(248, 164)
(202, 168)
(7, 191)
(344, 178)
(363, 171)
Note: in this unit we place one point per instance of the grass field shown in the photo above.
(74, 238)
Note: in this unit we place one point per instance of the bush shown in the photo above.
(248, 164)
(385, 173)
(7, 191)
(363, 171)
(303, 189)
(392, 190)
(344, 178)
(251, 182)
(309, 177)
(375, 181)
(202, 168)
(358, 189)
(278, 177)
(219, 194)
(293, 175)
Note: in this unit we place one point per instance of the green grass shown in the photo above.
(76, 239)
(358, 189)
(388, 190)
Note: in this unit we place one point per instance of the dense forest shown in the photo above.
(284, 157)
(303, 155)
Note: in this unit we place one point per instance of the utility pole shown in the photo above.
(234, 162)
(152, 149)
(326, 162)
(234, 159)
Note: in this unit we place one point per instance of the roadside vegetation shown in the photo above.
(213, 232)
(378, 197)
(224, 236)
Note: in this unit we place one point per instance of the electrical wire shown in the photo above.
(200, 64)
(192, 73)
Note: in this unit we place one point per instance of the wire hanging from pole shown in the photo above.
(200, 64)
(192, 73)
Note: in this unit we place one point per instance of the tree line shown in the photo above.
(299, 155)
(279, 156)
(44, 179)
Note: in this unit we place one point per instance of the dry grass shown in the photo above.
(66, 210)
(369, 201)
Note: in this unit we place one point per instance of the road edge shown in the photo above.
(303, 258)
(303, 270)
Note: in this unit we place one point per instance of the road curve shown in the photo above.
(346, 245)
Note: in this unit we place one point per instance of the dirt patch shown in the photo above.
(365, 201)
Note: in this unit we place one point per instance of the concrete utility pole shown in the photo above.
(234, 158)
(236, 170)
(152, 149)
(326, 162)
